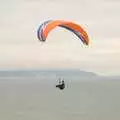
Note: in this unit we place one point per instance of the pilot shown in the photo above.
(61, 86)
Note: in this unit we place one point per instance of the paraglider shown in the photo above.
(49, 25)
(61, 84)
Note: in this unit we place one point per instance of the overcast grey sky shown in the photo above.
(19, 47)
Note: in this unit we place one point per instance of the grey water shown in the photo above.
(36, 98)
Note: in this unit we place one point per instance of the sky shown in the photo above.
(20, 48)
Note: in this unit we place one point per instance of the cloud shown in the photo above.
(20, 19)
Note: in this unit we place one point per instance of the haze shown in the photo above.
(20, 48)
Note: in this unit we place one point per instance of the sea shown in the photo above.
(37, 98)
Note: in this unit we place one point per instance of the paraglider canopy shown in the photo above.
(47, 26)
